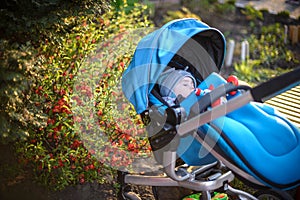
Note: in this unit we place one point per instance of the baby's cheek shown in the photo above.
(184, 91)
(188, 92)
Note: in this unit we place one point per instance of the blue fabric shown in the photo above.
(193, 153)
(189, 149)
(152, 56)
(263, 137)
(266, 140)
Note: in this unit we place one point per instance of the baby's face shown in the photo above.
(184, 87)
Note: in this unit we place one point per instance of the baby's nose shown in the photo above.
(192, 86)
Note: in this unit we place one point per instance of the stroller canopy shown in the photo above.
(179, 43)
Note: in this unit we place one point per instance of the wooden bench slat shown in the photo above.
(288, 103)
(285, 109)
(289, 96)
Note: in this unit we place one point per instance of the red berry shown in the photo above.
(82, 180)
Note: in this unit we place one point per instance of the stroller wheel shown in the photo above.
(272, 195)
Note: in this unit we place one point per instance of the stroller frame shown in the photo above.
(209, 177)
(214, 176)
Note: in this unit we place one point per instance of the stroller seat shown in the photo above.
(257, 138)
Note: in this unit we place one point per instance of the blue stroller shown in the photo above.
(240, 137)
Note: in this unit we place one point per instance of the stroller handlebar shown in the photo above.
(216, 112)
(275, 86)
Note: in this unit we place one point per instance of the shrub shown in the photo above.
(252, 14)
(269, 47)
(226, 8)
(284, 14)
(17, 75)
(269, 56)
(199, 4)
(178, 14)
(54, 147)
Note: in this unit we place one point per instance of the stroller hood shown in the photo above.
(201, 46)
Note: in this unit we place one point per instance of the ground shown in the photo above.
(23, 187)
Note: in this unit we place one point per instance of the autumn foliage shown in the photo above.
(79, 127)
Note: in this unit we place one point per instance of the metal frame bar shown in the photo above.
(214, 113)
